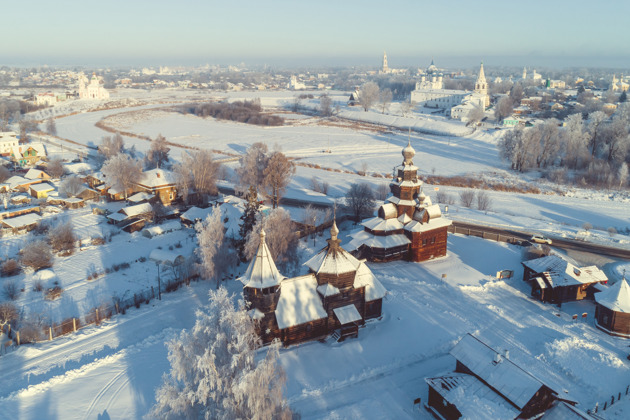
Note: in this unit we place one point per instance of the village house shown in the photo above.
(555, 280)
(20, 184)
(27, 154)
(339, 294)
(408, 226)
(24, 223)
(160, 183)
(36, 174)
(8, 140)
(612, 313)
(486, 381)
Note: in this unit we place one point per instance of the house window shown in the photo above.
(432, 240)
(309, 327)
(424, 242)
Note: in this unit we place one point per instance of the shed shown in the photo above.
(195, 214)
(24, 222)
(41, 190)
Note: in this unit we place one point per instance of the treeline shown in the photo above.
(596, 150)
(249, 112)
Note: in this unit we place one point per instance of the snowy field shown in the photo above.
(111, 371)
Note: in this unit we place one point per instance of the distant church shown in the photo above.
(93, 90)
(430, 93)
(408, 226)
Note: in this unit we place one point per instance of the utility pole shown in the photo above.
(157, 264)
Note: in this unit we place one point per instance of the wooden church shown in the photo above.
(408, 226)
(339, 294)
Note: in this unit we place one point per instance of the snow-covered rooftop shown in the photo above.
(36, 174)
(563, 273)
(332, 261)
(347, 314)
(165, 257)
(512, 382)
(373, 288)
(138, 209)
(299, 302)
(616, 298)
(163, 228)
(364, 238)
(383, 225)
(194, 214)
(262, 271)
(140, 197)
(22, 221)
(327, 290)
(439, 222)
(43, 187)
(472, 397)
(156, 178)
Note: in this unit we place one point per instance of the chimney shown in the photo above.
(158, 174)
(506, 354)
(497, 359)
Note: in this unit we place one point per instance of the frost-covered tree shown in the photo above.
(51, 126)
(595, 131)
(385, 98)
(574, 142)
(277, 176)
(325, 105)
(183, 179)
(252, 166)
(281, 239)
(157, 156)
(504, 108)
(62, 238)
(360, 200)
(71, 186)
(216, 372)
(368, 95)
(111, 146)
(215, 253)
(622, 174)
(122, 172)
(475, 115)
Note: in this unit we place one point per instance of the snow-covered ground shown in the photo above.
(111, 371)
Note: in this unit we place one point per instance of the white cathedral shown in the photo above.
(430, 93)
(93, 90)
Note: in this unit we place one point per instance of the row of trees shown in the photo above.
(595, 145)
(249, 112)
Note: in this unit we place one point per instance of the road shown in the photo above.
(512, 236)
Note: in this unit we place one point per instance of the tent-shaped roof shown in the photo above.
(373, 288)
(616, 298)
(333, 259)
(383, 225)
(262, 271)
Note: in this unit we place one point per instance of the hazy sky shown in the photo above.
(345, 32)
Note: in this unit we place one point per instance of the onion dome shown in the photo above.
(334, 231)
(408, 153)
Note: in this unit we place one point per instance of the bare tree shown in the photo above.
(504, 108)
(37, 255)
(612, 232)
(216, 372)
(55, 168)
(157, 156)
(183, 179)
(122, 172)
(8, 314)
(516, 94)
(278, 174)
(62, 238)
(587, 226)
(407, 107)
(71, 186)
(382, 191)
(26, 126)
(51, 126)
(203, 169)
(252, 166)
(368, 95)
(360, 200)
(325, 105)
(466, 197)
(484, 203)
(385, 98)
(595, 126)
(297, 103)
(211, 249)
(10, 289)
(281, 239)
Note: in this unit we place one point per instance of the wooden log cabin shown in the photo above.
(339, 294)
(486, 381)
(408, 226)
(554, 280)
(612, 313)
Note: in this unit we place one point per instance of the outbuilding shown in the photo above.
(612, 313)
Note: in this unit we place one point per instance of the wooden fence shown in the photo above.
(485, 235)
